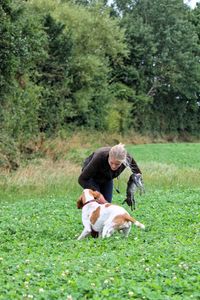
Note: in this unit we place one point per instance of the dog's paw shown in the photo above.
(142, 226)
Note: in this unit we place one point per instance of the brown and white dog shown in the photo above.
(103, 218)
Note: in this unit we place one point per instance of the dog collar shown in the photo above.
(89, 202)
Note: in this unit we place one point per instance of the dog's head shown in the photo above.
(86, 196)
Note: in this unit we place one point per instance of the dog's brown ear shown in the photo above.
(80, 203)
(99, 197)
(96, 194)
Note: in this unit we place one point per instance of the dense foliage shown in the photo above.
(75, 64)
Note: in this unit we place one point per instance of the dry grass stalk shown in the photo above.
(46, 172)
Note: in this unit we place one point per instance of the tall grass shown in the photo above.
(163, 165)
(43, 178)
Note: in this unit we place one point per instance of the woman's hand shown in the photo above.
(101, 199)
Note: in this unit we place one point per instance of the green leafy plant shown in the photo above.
(40, 257)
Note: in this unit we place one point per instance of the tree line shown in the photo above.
(68, 64)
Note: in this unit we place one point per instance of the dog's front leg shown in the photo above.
(84, 233)
(87, 228)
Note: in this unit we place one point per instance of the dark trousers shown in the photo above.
(106, 188)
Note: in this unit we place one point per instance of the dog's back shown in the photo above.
(112, 217)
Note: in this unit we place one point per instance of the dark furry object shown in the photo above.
(94, 234)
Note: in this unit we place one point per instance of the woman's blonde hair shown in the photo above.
(118, 152)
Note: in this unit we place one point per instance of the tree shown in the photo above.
(162, 64)
(54, 76)
(21, 47)
(89, 42)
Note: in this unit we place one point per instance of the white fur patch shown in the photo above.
(139, 225)
(87, 194)
(142, 226)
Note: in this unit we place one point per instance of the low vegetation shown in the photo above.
(40, 257)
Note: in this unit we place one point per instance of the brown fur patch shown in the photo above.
(80, 202)
(129, 218)
(121, 219)
(108, 205)
(95, 194)
(95, 215)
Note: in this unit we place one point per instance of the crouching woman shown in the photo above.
(105, 164)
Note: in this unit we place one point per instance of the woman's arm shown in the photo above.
(132, 184)
(133, 165)
(89, 171)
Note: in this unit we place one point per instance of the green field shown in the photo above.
(40, 257)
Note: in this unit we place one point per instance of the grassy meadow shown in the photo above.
(40, 257)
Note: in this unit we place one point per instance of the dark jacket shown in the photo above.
(96, 166)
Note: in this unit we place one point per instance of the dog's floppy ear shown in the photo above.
(98, 197)
(80, 202)
(96, 194)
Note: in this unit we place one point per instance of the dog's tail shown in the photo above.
(134, 221)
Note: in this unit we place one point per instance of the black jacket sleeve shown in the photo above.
(89, 171)
(131, 187)
(133, 165)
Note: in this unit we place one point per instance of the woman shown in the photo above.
(103, 165)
